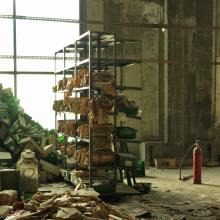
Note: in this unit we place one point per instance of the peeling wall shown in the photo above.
(190, 86)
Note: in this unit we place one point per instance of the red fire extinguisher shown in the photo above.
(197, 164)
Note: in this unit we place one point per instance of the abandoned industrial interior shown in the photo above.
(110, 109)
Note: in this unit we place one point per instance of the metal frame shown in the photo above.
(88, 37)
(15, 47)
(90, 96)
(15, 72)
(121, 24)
(97, 59)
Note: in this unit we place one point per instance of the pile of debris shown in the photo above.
(58, 206)
(18, 132)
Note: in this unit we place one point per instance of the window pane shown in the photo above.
(6, 65)
(35, 65)
(6, 36)
(43, 38)
(6, 7)
(49, 8)
(7, 81)
(36, 97)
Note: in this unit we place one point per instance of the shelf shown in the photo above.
(98, 39)
(89, 50)
(109, 167)
(129, 140)
(65, 70)
(94, 178)
(127, 116)
(111, 62)
(65, 116)
(128, 88)
(102, 63)
(83, 62)
(87, 88)
(80, 139)
(72, 68)
(74, 138)
(81, 89)
(69, 113)
(134, 117)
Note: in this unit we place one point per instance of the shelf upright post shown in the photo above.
(98, 53)
(115, 118)
(75, 92)
(64, 115)
(90, 96)
(121, 73)
(55, 93)
(121, 69)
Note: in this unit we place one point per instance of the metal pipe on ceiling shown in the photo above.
(157, 61)
(121, 24)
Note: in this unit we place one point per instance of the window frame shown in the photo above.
(14, 18)
(14, 57)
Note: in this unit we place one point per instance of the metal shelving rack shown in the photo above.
(121, 87)
(87, 46)
(96, 51)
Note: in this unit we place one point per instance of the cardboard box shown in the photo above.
(166, 163)
(126, 160)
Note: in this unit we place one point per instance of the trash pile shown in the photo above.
(19, 132)
(58, 206)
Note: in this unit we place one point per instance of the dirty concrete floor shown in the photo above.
(171, 198)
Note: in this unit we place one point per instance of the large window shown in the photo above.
(41, 29)
(49, 8)
(7, 80)
(44, 38)
(6, 36)
(36, 97)
(6, 64)
(6, 7)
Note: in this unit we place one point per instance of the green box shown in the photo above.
(126, 160)
(140, 168)
(128, 111)
(126, 132)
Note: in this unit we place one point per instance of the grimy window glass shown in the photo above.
(6, 36)
(6, 7)
(43, 38)
(36, 97)
(49, 8)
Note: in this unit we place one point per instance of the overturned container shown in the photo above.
(28, 167)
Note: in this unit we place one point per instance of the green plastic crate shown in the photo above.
(126, 133)
(140, 168)
(126, 160)
(128, 111)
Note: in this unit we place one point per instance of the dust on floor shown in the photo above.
(172, 199)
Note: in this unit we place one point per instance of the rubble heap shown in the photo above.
(65, 206)
(18, 131)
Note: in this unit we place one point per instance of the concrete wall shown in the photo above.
(190, 85)
(191, 107)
